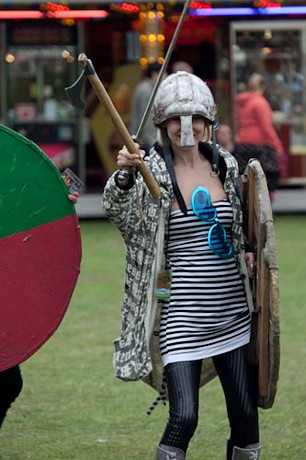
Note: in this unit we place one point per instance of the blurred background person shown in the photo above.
(224, 136)
(243, 152)
(255, 116)
(182, 66)
(255, 122)
(10, 387)
(140, 99)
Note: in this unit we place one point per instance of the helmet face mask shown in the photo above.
(183, 95)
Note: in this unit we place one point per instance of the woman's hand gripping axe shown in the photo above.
(73, 92)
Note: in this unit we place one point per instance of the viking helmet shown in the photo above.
(183, 94)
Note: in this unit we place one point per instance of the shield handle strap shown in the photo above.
(103, 97)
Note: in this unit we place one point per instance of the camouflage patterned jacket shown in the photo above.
(143, 223)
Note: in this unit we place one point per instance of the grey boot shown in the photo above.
(251, 452)
(164, 452)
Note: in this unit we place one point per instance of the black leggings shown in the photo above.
(239, 382)
(10, 387)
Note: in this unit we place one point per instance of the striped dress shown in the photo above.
(207, 313)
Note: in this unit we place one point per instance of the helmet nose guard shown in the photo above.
(187, 139)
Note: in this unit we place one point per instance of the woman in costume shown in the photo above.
(187, 298)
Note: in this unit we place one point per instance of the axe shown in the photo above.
(73, 93)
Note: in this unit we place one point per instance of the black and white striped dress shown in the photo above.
(207, 313)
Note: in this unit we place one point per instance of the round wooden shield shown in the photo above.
(265, 341)
(40, 248)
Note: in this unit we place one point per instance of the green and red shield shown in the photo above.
(40, 248)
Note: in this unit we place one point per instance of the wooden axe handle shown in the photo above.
(103, 97)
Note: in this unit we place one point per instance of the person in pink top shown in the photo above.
(255, 128)
(254, 116)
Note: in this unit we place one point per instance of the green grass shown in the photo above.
(73, 408)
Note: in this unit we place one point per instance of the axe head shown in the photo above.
(74, 91)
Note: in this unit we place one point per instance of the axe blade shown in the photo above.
(73, 92)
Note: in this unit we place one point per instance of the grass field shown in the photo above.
(73, 408)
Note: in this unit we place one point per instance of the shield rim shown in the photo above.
(265, 343)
